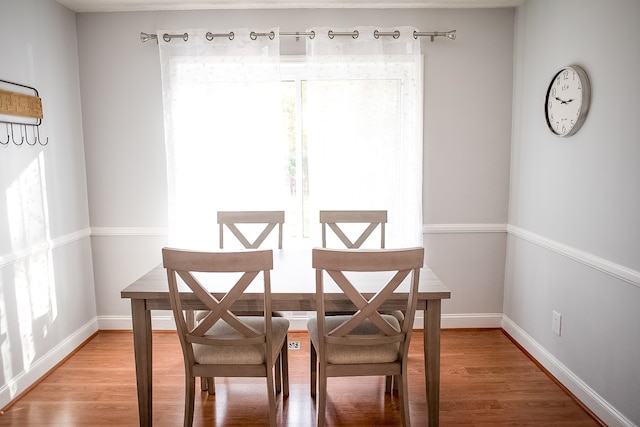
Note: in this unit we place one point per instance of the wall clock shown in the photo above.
(567, 102)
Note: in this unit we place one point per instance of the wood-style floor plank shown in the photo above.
(486, 380)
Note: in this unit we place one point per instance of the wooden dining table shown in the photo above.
(292, 289)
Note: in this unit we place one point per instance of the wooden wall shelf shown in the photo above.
(21, 107)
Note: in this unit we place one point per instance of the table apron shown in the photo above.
(302, 304)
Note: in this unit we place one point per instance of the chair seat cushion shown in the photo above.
(356, 354)
(240, 354)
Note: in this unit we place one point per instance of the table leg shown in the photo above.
(141, 319)
(432, 359)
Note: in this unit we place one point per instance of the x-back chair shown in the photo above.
(223, 344)
(366, 342)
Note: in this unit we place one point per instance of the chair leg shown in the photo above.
(403, 392)
(285, 367)
(321, 400)
(388, 384)
(208, 384)
(189, 399)
(278, 368)
(313, 370)
(271, 392)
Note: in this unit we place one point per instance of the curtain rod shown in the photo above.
(144, 37)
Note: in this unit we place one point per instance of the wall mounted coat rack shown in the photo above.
(21, 113)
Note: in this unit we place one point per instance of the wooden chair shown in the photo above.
(230, 219)
(366, 342)
(270, 219)
(333, 219)
(223, 344)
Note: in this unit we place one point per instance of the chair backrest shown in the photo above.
(402, 263)
(209, 267)
(270, 219)
(334, 218)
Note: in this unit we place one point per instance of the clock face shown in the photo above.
(567, 101)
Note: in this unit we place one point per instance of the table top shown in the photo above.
(292, 284)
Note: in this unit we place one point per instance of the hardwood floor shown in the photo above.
(486, 381)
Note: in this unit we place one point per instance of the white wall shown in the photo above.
(574, 239)
(468, 84)
(47, 299)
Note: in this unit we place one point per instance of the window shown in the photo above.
(331, 133)
(347, 129)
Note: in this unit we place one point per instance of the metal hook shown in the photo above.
(38, 138)
(26, 133)
(12, 136)
(8, 137)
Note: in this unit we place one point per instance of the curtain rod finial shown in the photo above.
(144, 37)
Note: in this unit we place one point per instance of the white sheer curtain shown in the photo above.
(363, 118)
(223, 129)
(229, 120)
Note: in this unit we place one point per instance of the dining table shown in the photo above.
(293, 289)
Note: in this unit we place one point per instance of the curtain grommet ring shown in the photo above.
(210, 36)
(395, 34)
(167, 37)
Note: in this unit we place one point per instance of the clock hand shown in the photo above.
(563, 102)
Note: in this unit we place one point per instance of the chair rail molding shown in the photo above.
(426, 229)
(45, 245)
(463, 228)
(616, 270)
(129, 231)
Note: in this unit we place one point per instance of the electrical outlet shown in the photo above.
(556, 323)
(294, 345)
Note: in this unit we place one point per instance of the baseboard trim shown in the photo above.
(585, 394)
(470, 320)
(299, 323)
(25, 379)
